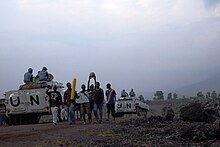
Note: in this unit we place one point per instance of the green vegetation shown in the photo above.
(158, 95)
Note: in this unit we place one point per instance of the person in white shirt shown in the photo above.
(83, 100)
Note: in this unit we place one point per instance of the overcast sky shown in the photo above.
(146, 45)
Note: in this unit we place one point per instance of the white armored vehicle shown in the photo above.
(130, 105)
(27, 105)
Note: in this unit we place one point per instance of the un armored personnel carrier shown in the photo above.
(27, 105)
(131, 105)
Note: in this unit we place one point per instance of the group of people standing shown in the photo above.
(88, 101)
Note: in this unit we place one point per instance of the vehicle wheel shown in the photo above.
(6, 120)
(14, 120)
(36, 119)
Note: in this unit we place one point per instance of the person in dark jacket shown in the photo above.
(98, 102)
(70, 104)
(55, 100)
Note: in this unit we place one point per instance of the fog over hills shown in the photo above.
(210, 84)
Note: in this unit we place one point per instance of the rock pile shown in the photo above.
(155, 131)
(197, 112)
(168, 113)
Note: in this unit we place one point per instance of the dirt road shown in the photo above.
(127, 131)
(39, 135)
(46, 134)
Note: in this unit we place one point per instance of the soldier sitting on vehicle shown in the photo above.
(43, 75)
(132, 93)
(28, 76)
(124, 93)
(40, 81)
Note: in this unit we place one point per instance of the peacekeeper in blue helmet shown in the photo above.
(43, 75)
(28, 76)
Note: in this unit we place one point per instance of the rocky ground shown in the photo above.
(156, 132)
(127, 131)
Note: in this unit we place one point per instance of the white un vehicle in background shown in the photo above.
(28, 105)
(131, 105)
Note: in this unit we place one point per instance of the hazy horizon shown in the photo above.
(145, 45)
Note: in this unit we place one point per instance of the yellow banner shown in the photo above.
(73, 89)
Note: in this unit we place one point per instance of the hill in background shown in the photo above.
(210, 84)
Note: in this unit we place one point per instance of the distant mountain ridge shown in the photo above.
(210, 84)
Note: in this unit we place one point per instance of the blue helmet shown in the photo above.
(30, 70)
